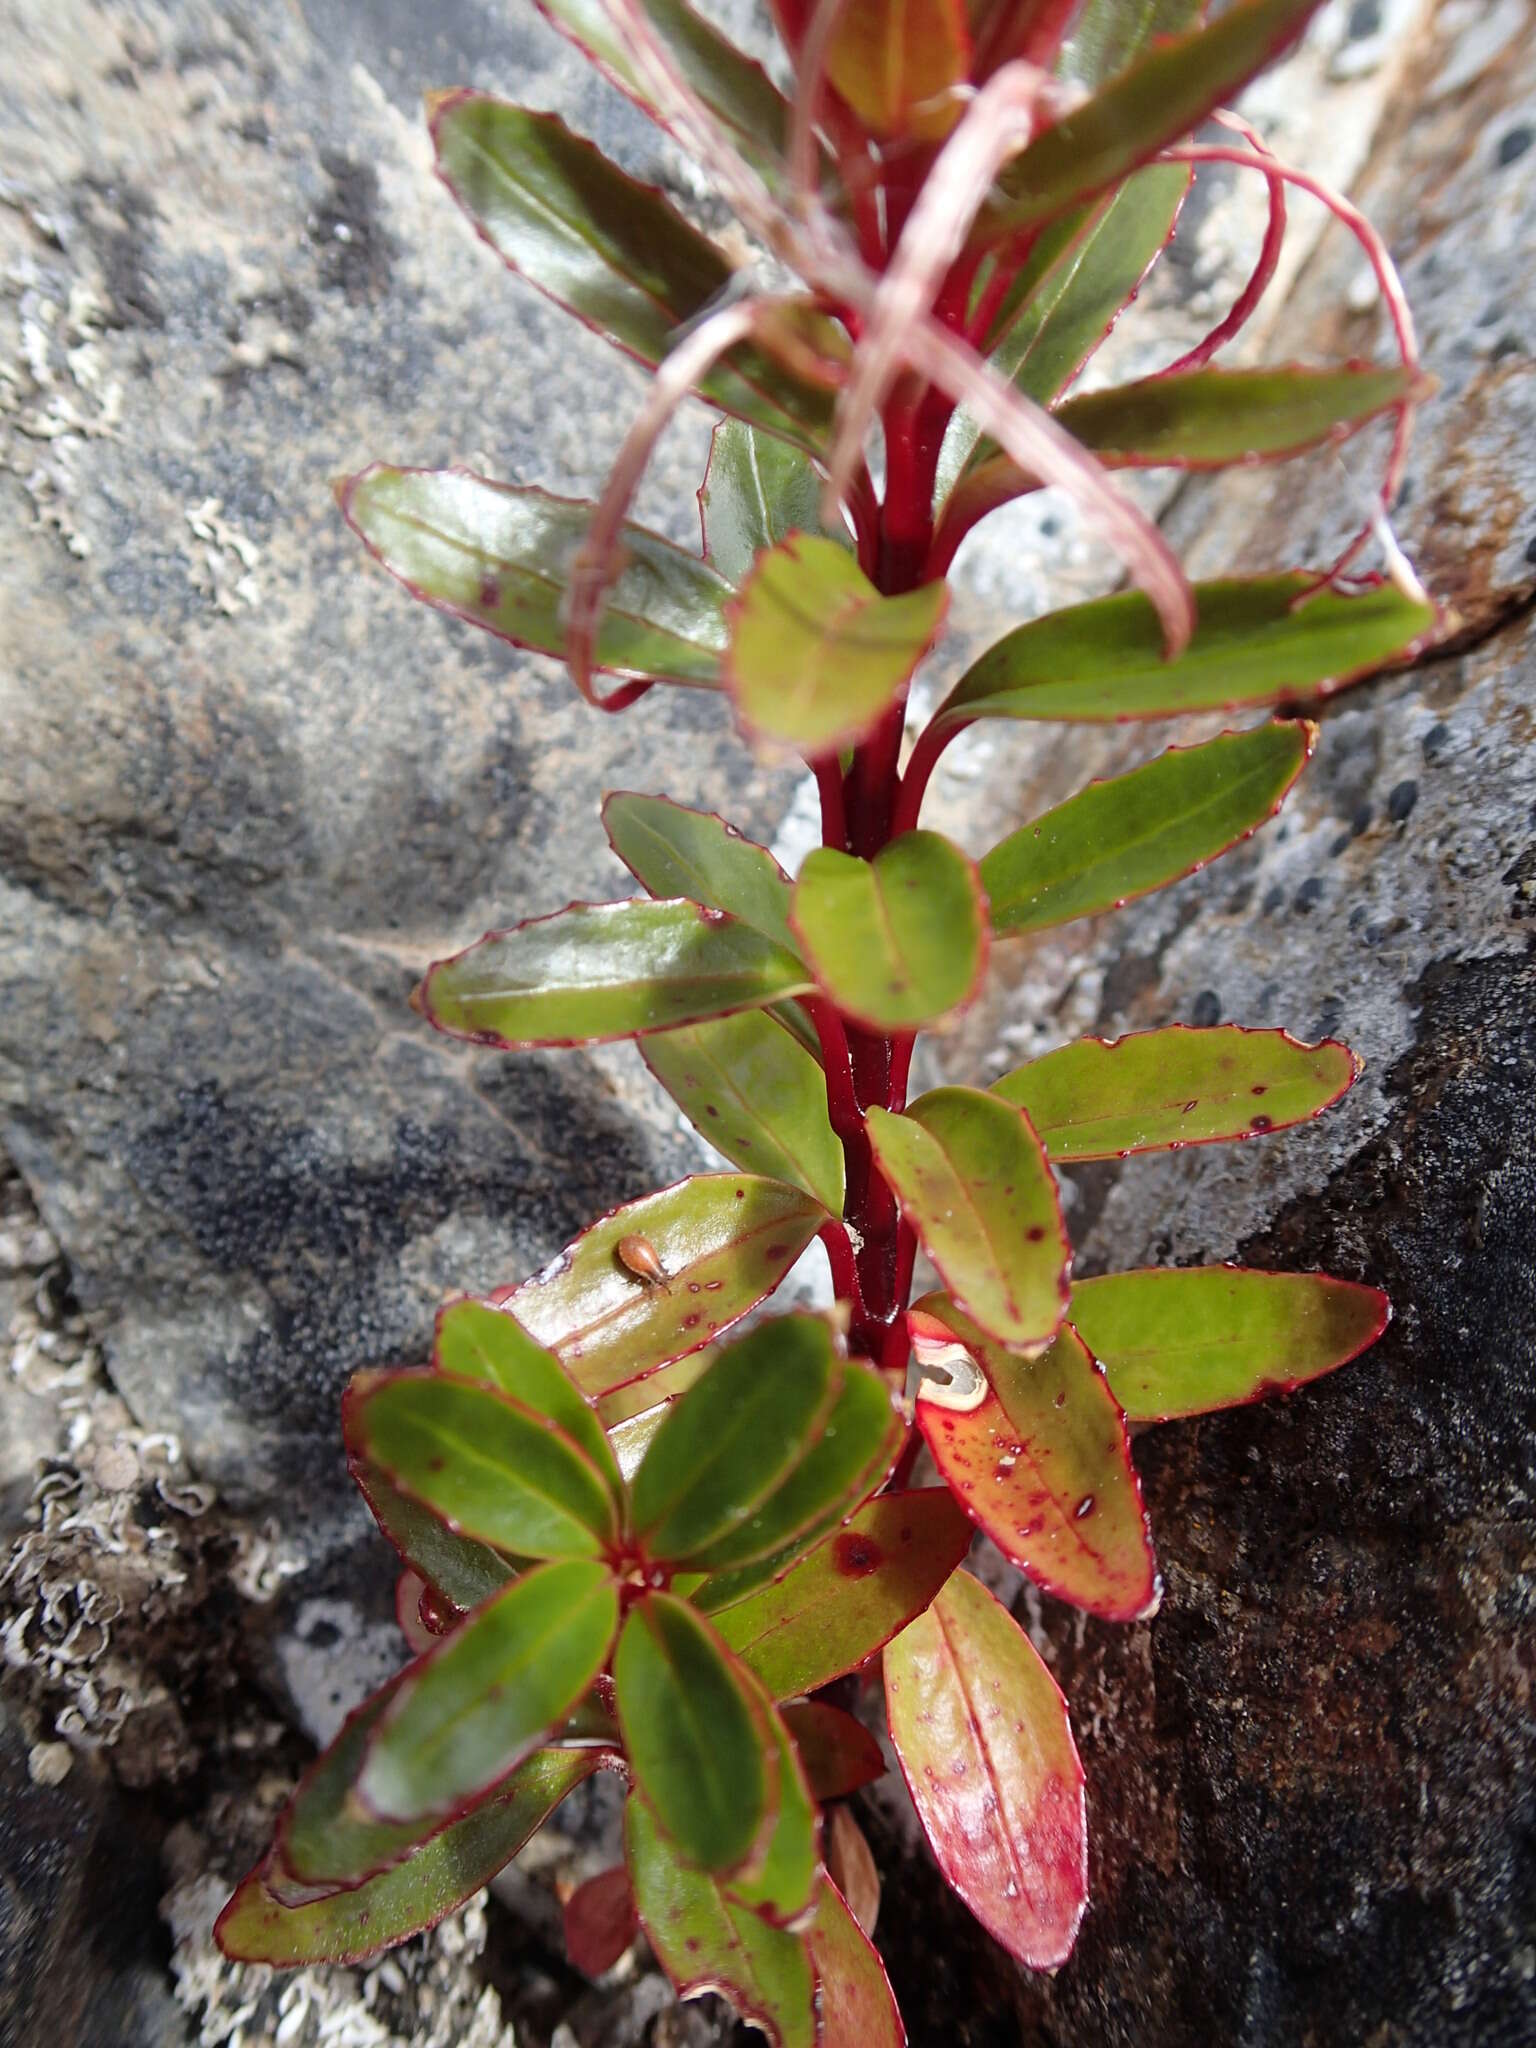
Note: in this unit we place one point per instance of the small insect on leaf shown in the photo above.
(639, 1255)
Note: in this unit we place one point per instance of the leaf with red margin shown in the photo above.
(1123, 838)
(856, 2004)
(640, 1397)
(723, 1240)
(757, 491)
(982, 1736)
(349, 1927)
(971, 1178)
(499, 555)
(837, 1752)
(505, 1680)
(675, 851)
(600, 1922)
(1187, 1341)
(598, 971)
(460, 1571)
(1044, 1467)
(781, 1890)
(1107, 34)
(698, 1736)
(706, 1942)
(817, 654)
(1154, 1091)
(1157, 100)
(609, 249)
(326, 1842)
(846, 1598)
(1103, 662)
(896, 942)
(897, 64)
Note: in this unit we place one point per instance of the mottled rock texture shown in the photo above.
(245, 790)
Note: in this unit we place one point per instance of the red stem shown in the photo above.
(931, 743)
(828, 771)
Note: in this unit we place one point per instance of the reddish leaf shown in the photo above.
(854, 1994)
(837, 1753)
(849, 1595)
(897, 64)
(1044, 1467)
(982, 1736)
(600, 1922)
(851, 1867)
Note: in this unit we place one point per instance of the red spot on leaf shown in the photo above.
(1259, 1088)
(856, 1556)
(1261, 1123)
(489, 593)
(1036, 1233)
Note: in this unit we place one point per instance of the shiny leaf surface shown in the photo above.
(646, 1397)
(596, 971)
(723, 1241)
(675, 851)
(1044, 1467)
(837, 1753)
(473, 1708)
(702, 1748)
(854, 1994)
(1208, 419)
(971, 1178)
(817, 654)
(1108, 34)
(607, 248)
(348, 1927)
(1153, 1091)
(781, 1889)
(475, 1342)
(493, 1470)
(896, 942)
(756, 492)
(749, 1087)
(324, 1837)
(982, 1736)
(705, 1942)
(1157, 100)
(1185, 1342)
(735, 1436)
(1120, 839)
(851, 1594)
(500, 556)
(1101, 662)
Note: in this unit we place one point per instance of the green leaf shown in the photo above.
(723, 1240)
(851, 1594)
(972, 1180)
(757, 491)
(494, 1470)
(982, 1737)
(460, 1572)
(1188, 1341)
(1159, 1090)
(1155, 102)
(1210, 419)
(837, 1753)
(817, 655)
(735, 1436)
(781, 1889)
(1047, 331)
(324, 1836)
(500, 555)
(897, 63)
(678, 852)
(1102, 662)
(350, 1926)
(705, 1942)
(1107, 34)
(698, 1739)
(854, 2000)
(1122, 838)
(597, 971)
(1044, 1467)
(607, 248)
(896, 942)
(476, 1705)
(475, 1342)
(757, 1095)
(737, 91)
(646, 1398)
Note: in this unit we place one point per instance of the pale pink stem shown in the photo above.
(596, 560)
(1388, 282)
(810, 83)
(1263, 270)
